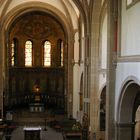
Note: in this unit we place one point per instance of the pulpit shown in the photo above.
(32, 133)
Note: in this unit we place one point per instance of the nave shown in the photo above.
(52, 124)
(22, 118)
(50, 134)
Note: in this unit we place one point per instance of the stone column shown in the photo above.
(111, 70)
(94, 70)
(69, 74)
(125, 130)
(1, 94)
(1, 84)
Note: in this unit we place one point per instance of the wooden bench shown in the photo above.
(71, 135)
(71, 130)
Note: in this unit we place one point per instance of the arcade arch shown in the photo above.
(127, 109)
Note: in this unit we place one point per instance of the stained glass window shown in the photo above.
(47, 53)
(13, 53)
(62, 58)
(14, 47)
(28, 53)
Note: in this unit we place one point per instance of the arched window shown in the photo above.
(60, 50)
(28, 53)
(62, 56)
(103, 109)
(47, 53)
(13, 52)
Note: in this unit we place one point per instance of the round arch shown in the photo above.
(103, 109)
(125, 121)
(6, 23)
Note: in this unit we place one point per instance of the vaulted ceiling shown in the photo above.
(79, 6)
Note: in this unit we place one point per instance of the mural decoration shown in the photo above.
(36, 29)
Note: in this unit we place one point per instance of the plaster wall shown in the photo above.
(129, 46)
(124, 72)
(102, 75)
(130, 33)
(104, 44)
(102, 81)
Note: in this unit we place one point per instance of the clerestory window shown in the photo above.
(28, 53)
(13, 53)
(62, 56)
(14, 46)
(47, 53)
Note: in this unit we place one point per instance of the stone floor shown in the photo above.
(50, 134)
(26, 118)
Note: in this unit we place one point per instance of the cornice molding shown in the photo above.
(122, 59)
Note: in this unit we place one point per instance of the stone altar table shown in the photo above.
(36, 107)
(32, 133)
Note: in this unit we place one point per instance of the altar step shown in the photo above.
(25, 117)
(50, 134)
(30, 122)
(31, 115)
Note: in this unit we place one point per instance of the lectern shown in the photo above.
(32, 133)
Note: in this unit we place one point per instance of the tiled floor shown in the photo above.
(50, 134)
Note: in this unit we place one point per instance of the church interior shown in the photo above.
(69, 69)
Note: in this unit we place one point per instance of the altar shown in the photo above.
(32, 133)
(36, 107)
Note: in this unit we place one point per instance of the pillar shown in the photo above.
(111, 69)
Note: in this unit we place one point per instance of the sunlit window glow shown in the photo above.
(47, 53)
(13, 53)
(28, 53)
(62, 57)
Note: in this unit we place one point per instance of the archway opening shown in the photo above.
(136, 117)
(137, 124)
(103, 109)
(127, 111)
